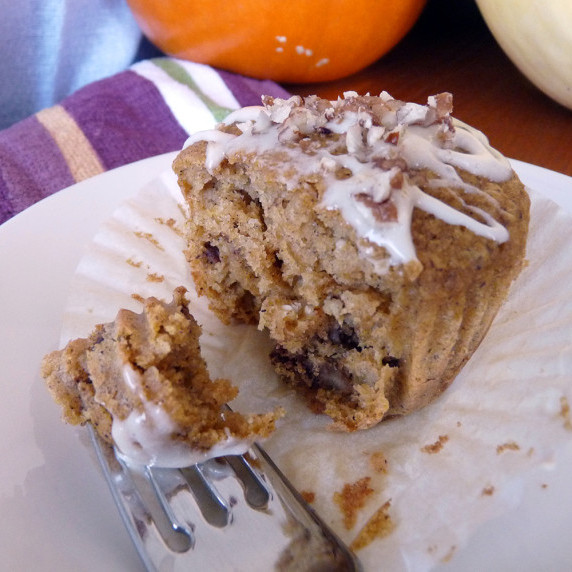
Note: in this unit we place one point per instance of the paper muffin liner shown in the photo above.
(429, 480)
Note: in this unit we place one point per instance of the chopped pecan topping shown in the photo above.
(392, 138)
(397, 180)
(386, 164)
(443, 104)
(384, 211)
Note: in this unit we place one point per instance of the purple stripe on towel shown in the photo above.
(125, 119)
(248, 91)
(31, 167)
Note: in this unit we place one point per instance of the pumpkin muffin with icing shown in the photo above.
(374, 240)
(143, 385)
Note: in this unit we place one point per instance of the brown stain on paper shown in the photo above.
(170, 223)
(437, 446)
(508, 446)
(154, 277)
(352, 498)
(378, 462)
(134, 263)
(378, 526)
(565, 413)
(308, 496)
(148, 237)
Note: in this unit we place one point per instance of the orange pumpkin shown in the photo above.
(283, 40)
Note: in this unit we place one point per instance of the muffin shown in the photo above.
(373, 239)
(143, 385)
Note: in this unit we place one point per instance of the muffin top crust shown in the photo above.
(377, 159)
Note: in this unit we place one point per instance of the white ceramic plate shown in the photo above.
(56, 511)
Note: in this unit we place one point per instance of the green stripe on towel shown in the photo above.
(179, 74)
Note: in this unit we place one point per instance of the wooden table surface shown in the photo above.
(451, 49)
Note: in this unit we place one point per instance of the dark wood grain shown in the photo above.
(451, 49)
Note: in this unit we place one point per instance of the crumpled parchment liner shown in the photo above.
(451, 467)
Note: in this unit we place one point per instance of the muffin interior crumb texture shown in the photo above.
(373, 239)
(142, 383)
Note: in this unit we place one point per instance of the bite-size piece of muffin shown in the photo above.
(142, 383)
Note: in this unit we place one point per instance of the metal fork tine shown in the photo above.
(253, 519)
(212, 505)
(255, 490)
(137, 502)
(129, 504)
(178, 537)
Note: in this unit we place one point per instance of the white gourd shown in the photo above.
(537, 36)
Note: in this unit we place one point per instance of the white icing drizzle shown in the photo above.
(145, 436)
(386, 140)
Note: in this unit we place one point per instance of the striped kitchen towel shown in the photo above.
(149, 109)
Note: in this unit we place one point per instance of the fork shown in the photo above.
(230, 513)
